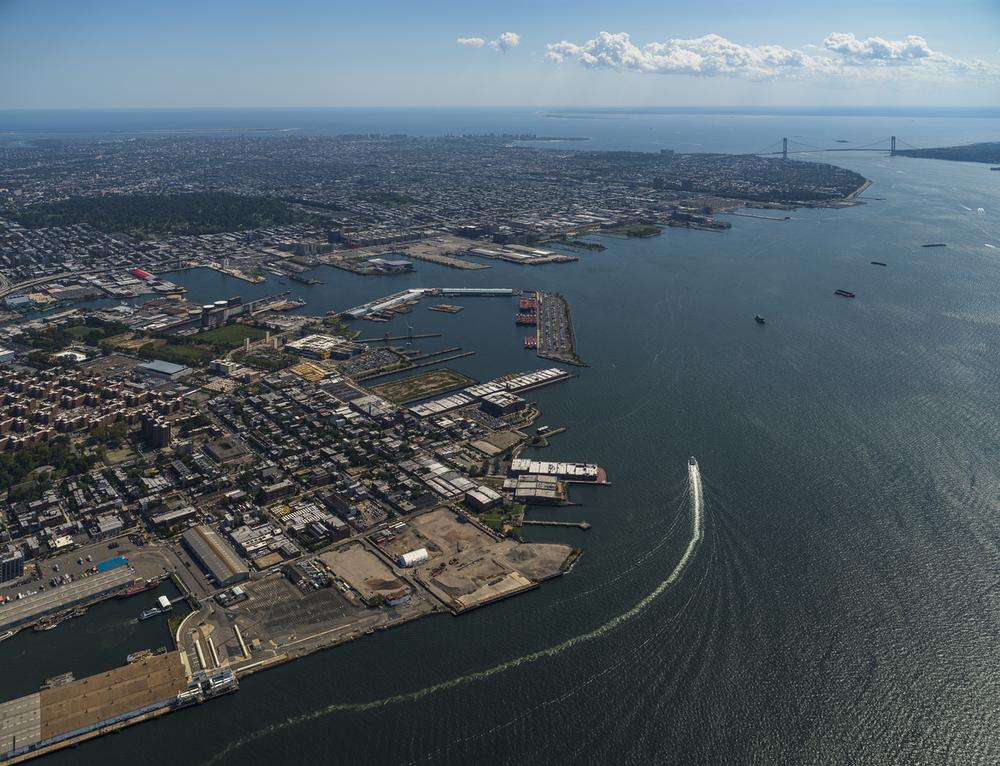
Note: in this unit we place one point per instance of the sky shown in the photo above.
(249, 53)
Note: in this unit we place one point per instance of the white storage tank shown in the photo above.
(411, 559)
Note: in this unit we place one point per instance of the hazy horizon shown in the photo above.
(113, 54)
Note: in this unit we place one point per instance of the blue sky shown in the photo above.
(178, 53)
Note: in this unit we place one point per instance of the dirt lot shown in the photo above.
(467, 567)
(363, 571)
(444, 250)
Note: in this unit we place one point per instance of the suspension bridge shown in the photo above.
(787, 146)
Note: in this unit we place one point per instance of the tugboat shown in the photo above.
(46, 623)
(758, 319)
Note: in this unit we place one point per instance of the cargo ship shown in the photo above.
(526, 319)
(844, 293)
(139, 586)
(531, 342)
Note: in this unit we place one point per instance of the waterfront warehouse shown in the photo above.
(82, 591)
(56, 716)
(215, 556)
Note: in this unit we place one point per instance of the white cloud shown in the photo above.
(913, 50)
(503, 43)
(713, 55)
(877, 48)
(506, 41)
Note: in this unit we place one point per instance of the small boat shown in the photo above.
(692, 461)
(144, 654)
(935, 244)
(5, 636)
(758, 319)
(879, 263)
(844, 293)
(60, 680)
(45, 624)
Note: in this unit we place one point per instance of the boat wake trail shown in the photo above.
(697, 533)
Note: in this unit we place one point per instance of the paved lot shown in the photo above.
(20, 721)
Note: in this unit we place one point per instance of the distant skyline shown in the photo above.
(118, 54)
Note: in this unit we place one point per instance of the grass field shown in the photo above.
(230, 335)
(195, 350)
(421, 385)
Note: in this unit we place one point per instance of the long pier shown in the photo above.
(761, 217)
(414, 336)
(531, 523)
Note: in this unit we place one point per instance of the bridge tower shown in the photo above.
(892, 146)
(784, 148)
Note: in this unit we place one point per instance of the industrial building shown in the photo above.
(502, 403)
(535, 489)
(62, 713)
(11, 565)
(163, 370)
(319, 346)
(215, 555)
(483, 499)
(391, 265)
(565, 471)
(14, 614)
(412, 558)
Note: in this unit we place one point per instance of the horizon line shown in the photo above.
(603, 107)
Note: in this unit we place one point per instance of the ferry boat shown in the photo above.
(146, 614)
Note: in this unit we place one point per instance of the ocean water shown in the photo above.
(843, 605)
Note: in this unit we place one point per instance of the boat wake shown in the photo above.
(697, 533)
